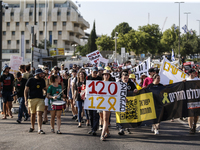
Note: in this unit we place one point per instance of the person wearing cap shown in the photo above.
(106, 114)
(149, 79)
(7, 79)
(133, 79)
(130, 89)
(94, 116)
(142, 78)
(34, 98)
(19, 86)
(192, 121)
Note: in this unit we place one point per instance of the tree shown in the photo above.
(41, 45)
(82, 50)
(105, 43)
(92, 39)
(122, 28)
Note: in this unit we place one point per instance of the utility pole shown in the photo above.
(116, 33)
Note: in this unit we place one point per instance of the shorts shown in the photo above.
(70, 94)
(6, 95)
(46, 101)
(36, 104)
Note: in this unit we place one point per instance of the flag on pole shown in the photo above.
(185, 28)
(175, 27)
(173, 58)
(191, 32)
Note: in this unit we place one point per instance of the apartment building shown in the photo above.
(65, 26)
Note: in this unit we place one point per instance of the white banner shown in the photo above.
(169, 73)
(102, 62)
(94, 57)
(142, 68)
(15, 62)
(105, 95)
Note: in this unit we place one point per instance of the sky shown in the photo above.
(109, 13)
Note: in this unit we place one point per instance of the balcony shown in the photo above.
(82, 21)
(79, 30)
(74, 39)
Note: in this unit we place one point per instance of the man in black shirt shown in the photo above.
(19, 86)
(7, 91)
(34, 90)
(94, 116)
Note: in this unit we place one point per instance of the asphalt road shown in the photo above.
(173, 135)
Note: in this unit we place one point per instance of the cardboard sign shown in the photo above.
(105, 95)
(15, 62)
(141, 68)
(102, 62)
(94, 57)
(169, 73)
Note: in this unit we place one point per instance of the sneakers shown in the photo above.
(156, 132)
(31, 130)
(128, 130)
(90, 132)
(41, 132)
(74, 117)
(19, 121)
(192, 130)
(121, 132)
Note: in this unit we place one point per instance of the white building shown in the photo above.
(65, 26)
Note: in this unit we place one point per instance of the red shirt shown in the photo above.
(147, 81)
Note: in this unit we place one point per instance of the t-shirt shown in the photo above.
(20, 86)
(36, 87)
(80, 87)
(130, 86)
(147, 81)
(7, 81)
(54, 91)
(27, 76)
(154, 85)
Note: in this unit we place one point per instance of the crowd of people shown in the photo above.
(38, 91)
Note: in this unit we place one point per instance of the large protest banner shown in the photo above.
(105, 95)
(15, 62)
(141, 68)
(172, 101)
(169, 73)
(94, 57)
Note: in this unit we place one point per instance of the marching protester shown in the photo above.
(80, 87)
(106, 114)
(149, 79)
(34, 98)
(192, 121)
(7, 79)
(54, 94)
(94, 116)
(19, 86)
(156, 84)
(70, 94)
(142, 78)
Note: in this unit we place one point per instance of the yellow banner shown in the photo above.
(57, 51)
(138, 108)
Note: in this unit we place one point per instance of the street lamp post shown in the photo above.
(74, 45)
(116, 33)
(199, 27)
(187, 18)
(179, 30)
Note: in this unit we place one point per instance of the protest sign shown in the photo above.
(15, 62)
(115, 75)
(141, 68)
(105, 95)
(88, 70)
(176, 100)
(169, 73)
(94, 57)
(102, 62)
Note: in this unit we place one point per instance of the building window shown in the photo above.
(28, 50)
(4, 32)
(54, 23)
(17, 42)
(59, 32)
(57, 5)
(50, 32)
(42, 5)
(71, 34)
(30, 13)
(55, 41)
(68, 13)
(40, 13)
(41, 32)
(26, 23)
(14, 5)
(27, 41)
(9, 42)
(8, 24)
(29, 5)
(12, 13)
(64, 23)
(13, 32)
(17, 24)
(3, 14)
(58, 13)
(10, 51)
(22, 32)
(36, 23)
